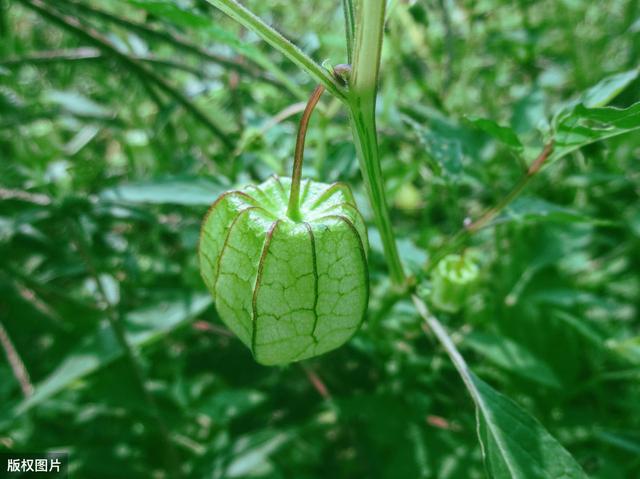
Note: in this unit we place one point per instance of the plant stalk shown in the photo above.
(293, 210)
(116, 323)
(465, 233)
(362, 108)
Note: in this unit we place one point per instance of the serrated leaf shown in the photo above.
(177, 191)
(583, 126)
(142, 328)
(503, 134)
(512, 357)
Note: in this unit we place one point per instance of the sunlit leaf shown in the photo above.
(606, 90)
(583, 126)
(514, 444)
(178, 191)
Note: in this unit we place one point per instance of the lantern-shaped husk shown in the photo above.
(288, 289)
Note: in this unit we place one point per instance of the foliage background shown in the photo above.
(116, 135)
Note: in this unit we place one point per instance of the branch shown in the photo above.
(465, 233)
(249, 20)
(17, 365)
(175, 40)
(73, 25)
(91, 54)
(116, 322)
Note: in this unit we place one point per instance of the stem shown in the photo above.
(349, 22)
(465, 233)
(18, 368)
(447, 343)
(181, 43)
(116, 322)
(249, 20)
(73, 25)
(362, 98)
(293, 210)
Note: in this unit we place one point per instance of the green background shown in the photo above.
(117, 134)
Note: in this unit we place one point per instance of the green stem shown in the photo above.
(116, 323)
(465, 233)
(349, 25)
(87, 33)
(183, 44)
(293, 210)
(249, 20)
(362, 98)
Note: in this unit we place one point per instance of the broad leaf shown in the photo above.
(583, 126)
(177, 191)
(513, 357)
(172, 12)
(503, 134)
(143, 327)
(529, 209)
(514, 444)
(608, 88)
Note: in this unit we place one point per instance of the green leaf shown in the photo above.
(530, 209)
(627, 348)
(142, 327)
(583, 126)
(249, 20)
(514, 444)
(77, 104)
(444, 153)
(608, 88)
(169, 10)
(251, 453)
(225, 406)
(512, 357)
(504, 134)
(177, 191)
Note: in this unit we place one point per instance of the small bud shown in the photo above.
(453, 279)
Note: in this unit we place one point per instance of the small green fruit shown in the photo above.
(453, 279)
(289, 289)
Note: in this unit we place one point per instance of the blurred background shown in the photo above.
(122, 120)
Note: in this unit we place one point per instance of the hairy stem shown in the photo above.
(249, 20)
(362, 98)
(293, 210)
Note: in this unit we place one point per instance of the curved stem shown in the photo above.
(293, 210)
